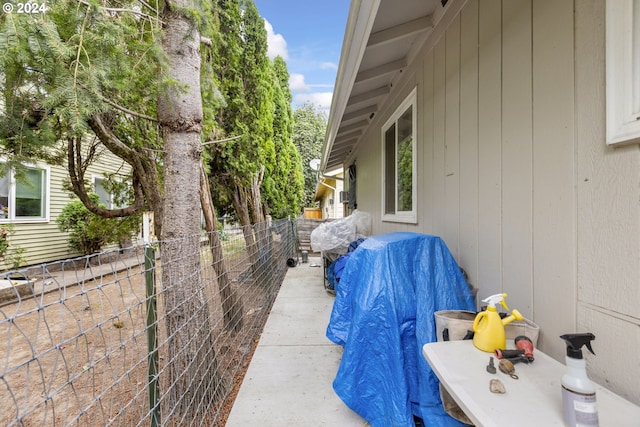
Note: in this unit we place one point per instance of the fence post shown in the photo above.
(152, 333)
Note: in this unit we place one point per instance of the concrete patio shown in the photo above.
(289, 380)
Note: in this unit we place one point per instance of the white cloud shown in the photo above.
(296, 83)
(329, 66)
(276, 44)
(322, 100)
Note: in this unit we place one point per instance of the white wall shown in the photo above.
(515, 175)
(608, 222)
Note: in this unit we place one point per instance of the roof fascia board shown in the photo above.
(362, 15)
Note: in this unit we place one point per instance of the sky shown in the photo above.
(308, 35)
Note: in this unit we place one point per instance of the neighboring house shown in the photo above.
(490, 124)
(32, 206)
(332, 200)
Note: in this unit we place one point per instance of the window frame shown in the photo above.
(622, 104)
(46, 196)
(97, 176)
(411, 216)
(95, 179)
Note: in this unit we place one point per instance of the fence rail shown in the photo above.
(134, 337)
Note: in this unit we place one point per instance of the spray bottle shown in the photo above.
(488, 327)
(578, 392)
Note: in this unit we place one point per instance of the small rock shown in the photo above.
(496, 386)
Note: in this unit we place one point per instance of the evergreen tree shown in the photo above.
(228, 159)
(309, 127)
(193, 373)
(84, 69)
(244, 76)
(285, 186)
(257, 78)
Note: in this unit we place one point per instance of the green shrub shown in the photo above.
(6, 230)
(13, 255)
(88, 232)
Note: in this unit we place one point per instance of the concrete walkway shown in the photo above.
(288, 382)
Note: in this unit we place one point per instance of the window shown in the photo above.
(104, 188)
(23, 195)
(351, 198)
(105, 197)
(399, 163)
(623, 71)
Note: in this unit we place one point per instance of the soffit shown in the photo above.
(392, 31)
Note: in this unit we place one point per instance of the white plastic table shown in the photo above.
(535, 399)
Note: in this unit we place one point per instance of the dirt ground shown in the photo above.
(79, 355)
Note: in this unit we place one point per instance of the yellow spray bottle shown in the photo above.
(488, 327)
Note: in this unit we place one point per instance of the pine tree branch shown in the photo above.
(148, 6)
(77, 168)
(120, 107)
(117, 10)
(75, 72)
(127, 111)
(220, 141)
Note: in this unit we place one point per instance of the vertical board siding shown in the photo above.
(554, 224)
(438, 165)
(426, 120)
(517, 185)
(489, 153)
(452, 138)
(608, 217)
(469, 141)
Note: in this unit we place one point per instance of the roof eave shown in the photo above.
(362, 15)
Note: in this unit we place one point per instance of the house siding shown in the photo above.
(608, 225)
(514, 172)
(42, 241)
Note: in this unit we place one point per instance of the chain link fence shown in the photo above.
(132, 337)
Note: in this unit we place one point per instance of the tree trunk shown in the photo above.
(262, 232)
(255, 206)
(193, 379)
(241, 206)
(146, 181)
(231, 304)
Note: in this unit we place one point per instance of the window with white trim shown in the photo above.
(105, 197)
(24, 196)
(104, 189)
(399, 163)
(623, 71)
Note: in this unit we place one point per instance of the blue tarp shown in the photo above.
(382, 315)
(334, 271)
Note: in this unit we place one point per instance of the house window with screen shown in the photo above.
(399, 163)
(23, 194)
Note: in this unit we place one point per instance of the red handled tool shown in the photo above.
(525, 344)
(522, 353)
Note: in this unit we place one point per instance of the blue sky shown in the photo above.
(308, 35)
